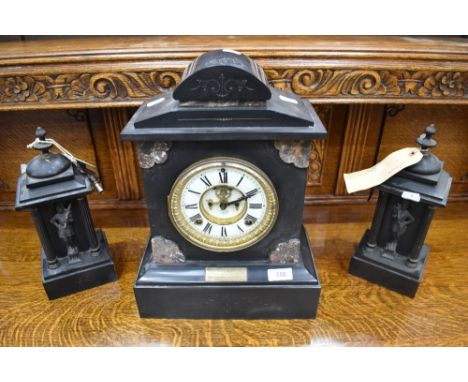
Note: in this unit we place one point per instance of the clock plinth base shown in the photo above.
(182, 290)
(369, 264)
(91, 271)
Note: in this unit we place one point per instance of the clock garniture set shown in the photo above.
(224, 158)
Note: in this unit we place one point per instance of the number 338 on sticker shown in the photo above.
(280, 274)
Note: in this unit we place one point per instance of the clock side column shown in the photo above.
(44, 236)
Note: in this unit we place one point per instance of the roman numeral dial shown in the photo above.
(205, 180)
(223, 204)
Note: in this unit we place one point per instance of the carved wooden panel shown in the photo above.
(124, 163)
(85, 87)
(132, 87)
(356, 74)
(318, 149)
(402, 129)
(378, 83)
(325, 154)
(360, 142)
(125, 71)
(317, 155)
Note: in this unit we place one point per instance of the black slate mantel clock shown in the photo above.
(224, 159)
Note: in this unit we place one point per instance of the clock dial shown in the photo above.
(223, 204)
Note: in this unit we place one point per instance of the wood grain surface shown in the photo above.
(113, 71)
(374, 94)
(352, 312)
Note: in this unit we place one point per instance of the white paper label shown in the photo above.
(414, 196)
(385, 169)
(280, 274)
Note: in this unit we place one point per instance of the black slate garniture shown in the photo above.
(392, 253)
(224, 107)
(75, 256)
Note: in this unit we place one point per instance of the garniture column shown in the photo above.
(377, 220)
(47, 245)
(414, 255)
(89, 226)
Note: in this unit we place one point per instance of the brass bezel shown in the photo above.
(216, 244)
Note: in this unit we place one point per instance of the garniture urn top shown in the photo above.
(47, 164)
(48, 177)
(425, 181)
(224, 95)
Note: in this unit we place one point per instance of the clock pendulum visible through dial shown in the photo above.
(223, 204)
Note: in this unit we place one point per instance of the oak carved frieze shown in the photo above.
(132, 87)
(371, 83)
(85, 87)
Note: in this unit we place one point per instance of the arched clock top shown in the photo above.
(224, 95)
(223, 75)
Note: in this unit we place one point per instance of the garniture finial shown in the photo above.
(429, 164)
(425, 139)
(40, 142)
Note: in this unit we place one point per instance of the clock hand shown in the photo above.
(237, 200)
(246, 196)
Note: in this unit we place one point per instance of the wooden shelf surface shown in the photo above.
(91, 48)
(352, 312)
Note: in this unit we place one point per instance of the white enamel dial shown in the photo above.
(223, 204)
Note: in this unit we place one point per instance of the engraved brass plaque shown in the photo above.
(226, 274)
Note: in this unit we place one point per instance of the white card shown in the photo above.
(414, 196)
(385, 169)
(280, 274)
